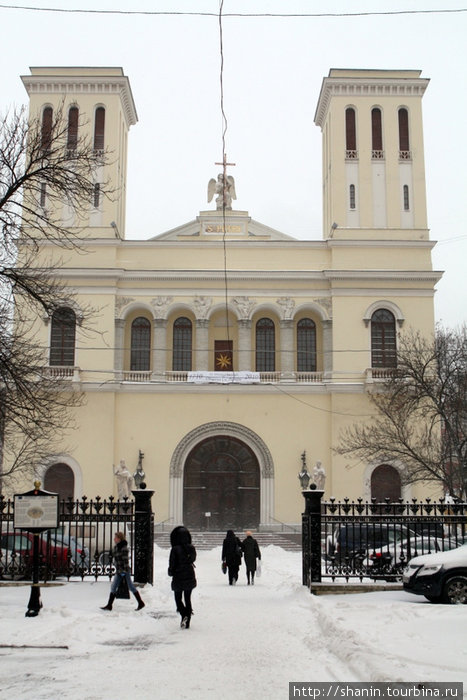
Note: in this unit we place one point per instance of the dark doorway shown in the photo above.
(59, 478)
(221, 477)
(385, 483)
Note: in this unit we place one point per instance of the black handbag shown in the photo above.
(122, 590)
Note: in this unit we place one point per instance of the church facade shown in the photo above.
(226, 352)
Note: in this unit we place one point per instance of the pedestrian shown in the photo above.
(251, 553)
(122, 571)
(232, 556)
(182, 569)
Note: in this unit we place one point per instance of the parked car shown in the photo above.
(440, 577)
(79, 553)
(393, 557)
(17, 554)
(357, 539)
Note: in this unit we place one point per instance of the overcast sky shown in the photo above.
(273, 68)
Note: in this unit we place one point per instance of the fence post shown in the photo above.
(144, 535)
(311, 536)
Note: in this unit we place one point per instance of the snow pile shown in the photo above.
(244, 642)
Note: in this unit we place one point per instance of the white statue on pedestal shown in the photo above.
(319, 476)
(124, 480)
(225, 190)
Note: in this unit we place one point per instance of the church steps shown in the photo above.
(210, 540)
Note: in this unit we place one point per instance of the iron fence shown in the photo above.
(345, 540)
(81, 546)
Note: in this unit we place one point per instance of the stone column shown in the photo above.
(159, 349)
(244, 345)
(119, 348)
(201, 345)
(287, 359)
(327, 348)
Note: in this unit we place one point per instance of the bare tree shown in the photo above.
(47, 184)
(421, 412)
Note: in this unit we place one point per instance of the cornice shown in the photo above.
(85, 85)
(366, 87)
(387, 275)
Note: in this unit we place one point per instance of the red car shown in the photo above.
(17, 550)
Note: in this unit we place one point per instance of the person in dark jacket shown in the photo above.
(122, 570)
(251, 553)
(232, 556)
(181, 567)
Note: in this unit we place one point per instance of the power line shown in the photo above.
(173, 13)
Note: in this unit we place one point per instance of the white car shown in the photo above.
(440, 577)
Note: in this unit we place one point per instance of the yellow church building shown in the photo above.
(223, 349)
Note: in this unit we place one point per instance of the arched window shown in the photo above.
(376, 133)
(406, 198)
(265, 345)
(350, 133)
(352, 196)
(404, 144)
(140, 345)
(59, 478)
(383, 339)
(72, 136)
(99, 129)
(385, 483)
(182, 343)
(306, 345)
(62, 337)
(46, 129)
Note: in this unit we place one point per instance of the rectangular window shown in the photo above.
(43, 194)
(97, 192)
(406, 198)
(352, 196)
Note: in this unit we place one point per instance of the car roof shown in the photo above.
(453, 557)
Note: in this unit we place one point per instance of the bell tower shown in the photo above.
(98, 103)
(373, 158)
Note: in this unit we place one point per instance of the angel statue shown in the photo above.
(225, 191)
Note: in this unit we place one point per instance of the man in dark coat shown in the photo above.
(181, 568)
(251, 553)
(232, 555)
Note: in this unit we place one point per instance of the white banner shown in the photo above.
(224, 377)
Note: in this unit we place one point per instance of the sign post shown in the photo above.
(35, 511)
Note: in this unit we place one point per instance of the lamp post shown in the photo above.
(304, 476)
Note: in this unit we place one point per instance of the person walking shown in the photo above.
(232, 556)
(181, 567)
(251, 553)
(122, 570)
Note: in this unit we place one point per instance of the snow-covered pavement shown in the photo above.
(245, 641)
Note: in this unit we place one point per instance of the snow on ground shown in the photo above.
(245, 641)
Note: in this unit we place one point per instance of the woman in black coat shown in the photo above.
(251, 552)
(181, 568)
(232, 555)
(122, 570)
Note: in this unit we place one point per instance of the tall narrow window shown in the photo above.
(376, 134)
(352, 196)
(99, 129)
(46, 129)
(62, 337)
(43, 195)
(265, 345)
(383, 339)
(404, 144)
(96, 195)
(140, 345)
(72, 136)
(350, 133)
(406, 198)
(182, 344)
(306, 345)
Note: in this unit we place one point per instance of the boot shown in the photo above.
(140, 601)
(109, 604)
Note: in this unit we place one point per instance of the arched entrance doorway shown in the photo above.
(385, 483)
(221, 477)
(59, 478)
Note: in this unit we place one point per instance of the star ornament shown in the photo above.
(223, 361)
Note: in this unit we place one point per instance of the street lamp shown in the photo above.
(304, 476)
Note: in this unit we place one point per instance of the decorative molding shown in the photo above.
(214, 429)
(160, 305)
(244, 306)
(121, 302)
(384, 304)
(202, 306)
(288, 305)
